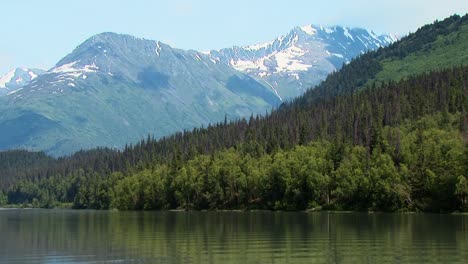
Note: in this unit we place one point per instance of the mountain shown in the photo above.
(292, 63)
(388, 132)
(114, 89)
(17, 78)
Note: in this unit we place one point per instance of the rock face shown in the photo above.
(299, 60)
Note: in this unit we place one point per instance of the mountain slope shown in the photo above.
(432, 47)
(114, 89)
(292, 63)
(443, 46)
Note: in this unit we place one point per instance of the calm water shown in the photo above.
(66, 236)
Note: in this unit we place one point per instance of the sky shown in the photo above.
(39, 33)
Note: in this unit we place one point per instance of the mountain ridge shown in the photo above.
(242, 52)
(303, 57)
(100, 94)
(113, 89)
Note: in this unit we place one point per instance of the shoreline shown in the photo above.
(16, 207)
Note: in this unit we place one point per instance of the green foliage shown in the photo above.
(461, 191)
(427, 174)
(435, 161)
(3, 199)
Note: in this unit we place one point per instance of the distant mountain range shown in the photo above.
(114, 89)
(292, 63)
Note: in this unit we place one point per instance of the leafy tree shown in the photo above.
(461, 190)
(3, 199)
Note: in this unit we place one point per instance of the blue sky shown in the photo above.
(39, 33)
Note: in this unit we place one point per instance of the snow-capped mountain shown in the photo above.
(114, 89)
(143, 62)
(292, 63)
(17, 78)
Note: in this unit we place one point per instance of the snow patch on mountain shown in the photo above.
(69, 69)
(259, 46)
(347, 34)
(287, 61)
(334, 54)
(309, 29)
(14, 91)
(33, 75)
(329, 30)
(158, 48)
(7, 78)
(246, 65)
(391, 38)
(274, 90)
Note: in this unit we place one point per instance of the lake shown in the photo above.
(73, 236)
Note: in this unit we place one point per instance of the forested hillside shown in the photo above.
(357, 141)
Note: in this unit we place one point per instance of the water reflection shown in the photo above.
(65, 236)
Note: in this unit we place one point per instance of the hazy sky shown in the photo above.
(38, 33)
